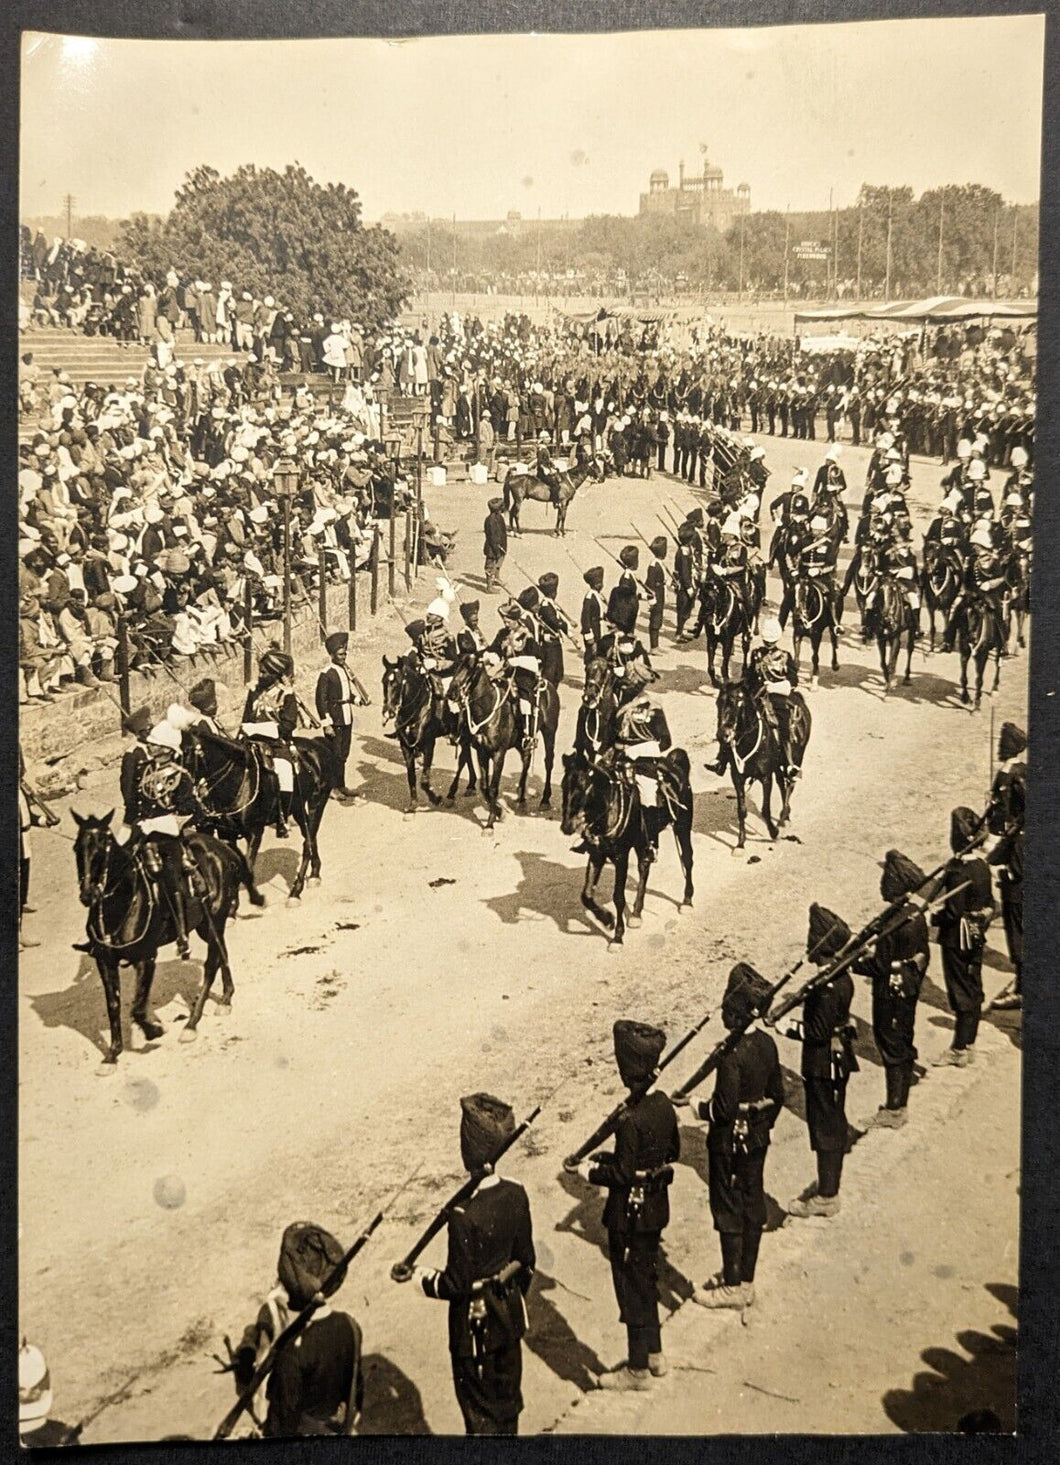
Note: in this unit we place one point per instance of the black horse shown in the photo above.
(749, 746)
(1017, 594)
(127, 922)
(521, 485)
(940, 582)
(724, 617)
(895, 623)
(980, 636)
(409, 700)
(240, 792)
(491, 720)
(596, 715)
(601, 804)
(813, 614)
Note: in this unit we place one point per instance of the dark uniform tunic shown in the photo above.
(655, 579)
(553, 625)
(591, 624)
(748, 1094)
(1008, 802)
(316, 1386)
(827, 1062)
(897, 977)
(154, 788)
(961, 925)
(636, 1213)
(487, 1319)
(624, 602)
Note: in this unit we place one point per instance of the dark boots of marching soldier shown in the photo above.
(961, 925)
(487, 1274)
(637, 1176)
(748, 1094)
(828, 1060)
(897, 967)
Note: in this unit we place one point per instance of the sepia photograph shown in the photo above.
(524, 558)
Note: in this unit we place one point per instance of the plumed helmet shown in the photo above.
(439, 608)
(594, 577)
(548, 583)
(276, 663)
(629, 557)
(164, 735)
(746, 993)
(311, 1261)
(771, 631)
(638, 1048)
(486, 1124)
(203, 696)
(965, 824)
(826, 934)
(900, 876)
(964, 449)
(179, 716)
(1012, 741)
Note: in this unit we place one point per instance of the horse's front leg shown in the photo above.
(964, 679)
(425, 776)
(835, 646)
(909, 660)
(110, 976)
(493, 794)
(683, 835)
(145, 975)
(997, 671)
(410, 777)
(209, 971)
(741, 807)
(548, 738)
(767, 805)
(295, 893)
(621, 875)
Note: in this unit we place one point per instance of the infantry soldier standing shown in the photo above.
(897, 968)
(624, 600)
(495, 545)
(827, 1062)
(487, 1274)
(637, 1176)
(655, 579)
(685, 577)
(1005, 816)
(336, 700)
(554, 626)
(592, 611)
(962, 924)
(748, 1094)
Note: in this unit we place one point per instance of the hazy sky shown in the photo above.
(564, 124)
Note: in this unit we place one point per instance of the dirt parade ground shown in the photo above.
(435, 960)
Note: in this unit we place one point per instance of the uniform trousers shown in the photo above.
(340, 737)
(489, 1390)
(963, 973)
(635, 1274)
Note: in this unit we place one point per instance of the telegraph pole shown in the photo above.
(787, 240)
(997, 215)
(68, 204)
(454, 259)
(887, 284)
(829, 264)
(1015, 224)
(740, 292)
(428, 267)
(861, 221)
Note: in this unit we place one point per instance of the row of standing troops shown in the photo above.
(490, 1258)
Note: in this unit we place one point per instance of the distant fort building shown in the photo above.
(700, 200)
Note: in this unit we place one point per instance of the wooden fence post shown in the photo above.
(322, 591)
(123, 666)
(374, 602)
(248, 631)
(352, 588)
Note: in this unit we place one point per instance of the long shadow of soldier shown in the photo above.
(82, 1007)
(392, 1402)
(554, 1341)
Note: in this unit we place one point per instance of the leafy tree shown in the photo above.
(280, 234)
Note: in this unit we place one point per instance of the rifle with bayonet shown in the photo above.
(610, 1124)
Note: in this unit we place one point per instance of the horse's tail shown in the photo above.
(506, 491)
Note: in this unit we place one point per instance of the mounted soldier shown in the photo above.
(771, 674)
(159, 799)
(642, 736)
(470, 644)
(730, 564)
(435, 649)
(547, 473)
(515, 650)
(629, 663)
(983, 579)
(270, 716)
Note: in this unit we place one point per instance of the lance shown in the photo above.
(891, 919)
(725, 1046)
(301, 1320)
(607, 1128)
(402, 1271)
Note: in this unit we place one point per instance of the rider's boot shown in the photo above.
(180, 919)
(283, 812)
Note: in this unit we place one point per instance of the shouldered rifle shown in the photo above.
(358, 687)
(402, 1271)
(565, 614)
(624, 568)
(888, 920)
(301, 1320)
(607, 1128)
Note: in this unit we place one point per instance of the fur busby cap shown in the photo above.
(745, 995)
(900, 876)
(308, 1255)
(548, 583)
(965, 825)
(530, 598)
(658, 546)
(685, 534)
(1012, 742)
(695, 518)
(629, 557)
(486, 1123)
(594, 578)
(139, 723)
(203, 696)
(415, 629)
(495, 505)
(638, 1048)
(826, 935)
(470, 608)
